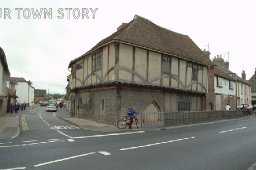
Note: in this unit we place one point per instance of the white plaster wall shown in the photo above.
(225, 87)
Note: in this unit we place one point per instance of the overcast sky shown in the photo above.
(40, 50)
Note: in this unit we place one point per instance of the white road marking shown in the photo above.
(28, 141)
(24, 123)
(65, 127)
(154, 144)
(63, 134)
(111, 134)
(64, 159)
(54, 139)
(29, 144)
(231, 130)
(34, 142)
(5, 143)
(104, 153)
(9, 146)
(15, 168)
(43, 119)
(71, 140)
(49, 141)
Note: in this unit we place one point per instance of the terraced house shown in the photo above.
(141, 65)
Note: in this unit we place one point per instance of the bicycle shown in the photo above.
(122, 123)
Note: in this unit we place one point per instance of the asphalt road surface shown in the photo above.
(48, 142)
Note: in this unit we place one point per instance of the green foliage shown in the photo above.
(56, 95)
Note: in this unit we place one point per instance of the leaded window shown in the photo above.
(195, 67)
(97, 61)
(184, 103)
(166, 64)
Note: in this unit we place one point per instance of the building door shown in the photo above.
(218, 102)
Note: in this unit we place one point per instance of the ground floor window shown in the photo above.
(184, 103)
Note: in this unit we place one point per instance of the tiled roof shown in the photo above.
(16, 79)
(227, 74)
(144, 33)
(253, 82)
(243, 80)
(221, 72)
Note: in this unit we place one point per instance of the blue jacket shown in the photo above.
(132, 112)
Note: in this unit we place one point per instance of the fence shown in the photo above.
(161, 120)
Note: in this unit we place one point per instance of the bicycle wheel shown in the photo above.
(121, 124)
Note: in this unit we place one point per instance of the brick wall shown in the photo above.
(3, 107)
(107, 105)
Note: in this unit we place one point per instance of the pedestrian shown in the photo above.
(17, 106)
(132, 114)
(227, 107)
(12, 107)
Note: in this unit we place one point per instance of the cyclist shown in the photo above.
(132, 114)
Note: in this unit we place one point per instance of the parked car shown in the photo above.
(247, 109)
(43, 103)
(52, 106)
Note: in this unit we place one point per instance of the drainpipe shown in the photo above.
(28, 95)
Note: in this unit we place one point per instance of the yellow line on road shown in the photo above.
(24, 124)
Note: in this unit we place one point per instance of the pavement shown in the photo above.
(9, 126)
(86, 124)
(10, 123)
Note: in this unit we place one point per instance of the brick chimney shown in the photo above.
(207, 54)
(226, 65)
(121, 26)
(243, 75)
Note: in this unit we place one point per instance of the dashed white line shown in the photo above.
(5, 143)
(28, 141)
(154, 144)
(231, 130)
(70, 140)
(54, 139)
(15, 168)
(29, 144)
(64, 159)
(104, 153)
(9, 146)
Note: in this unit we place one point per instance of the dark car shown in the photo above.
(247, 109)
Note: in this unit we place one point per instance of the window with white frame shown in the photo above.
(219, 81)
(231, 85)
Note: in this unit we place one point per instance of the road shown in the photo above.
(51, 143)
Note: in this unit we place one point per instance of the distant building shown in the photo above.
(41, 95)
(4, 72)
(25, 92)
(244, 92)
(226, 87)
(221, 85)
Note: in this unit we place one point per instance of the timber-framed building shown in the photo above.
(141, 65)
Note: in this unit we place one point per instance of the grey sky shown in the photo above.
(40, 49)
